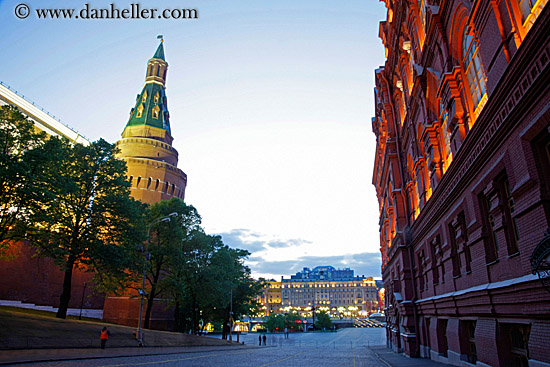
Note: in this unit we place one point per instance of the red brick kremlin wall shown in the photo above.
(31, 279)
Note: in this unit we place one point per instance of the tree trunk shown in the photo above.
(195, 311)
(177, 318)
(150, 300)
(151, 297)
(225, 328)
(66, 294)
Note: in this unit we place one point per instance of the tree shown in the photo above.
(91, 222)
(211, 279)
(166, 249)
(25, 160)
(290, 320)
(323, 321)
(236, 282)
(275, 322)
(293, 320)
(201, 287)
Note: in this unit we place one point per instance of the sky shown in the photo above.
(270, 109)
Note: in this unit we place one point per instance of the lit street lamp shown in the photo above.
(147, 257)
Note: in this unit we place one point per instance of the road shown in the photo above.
(348, 347)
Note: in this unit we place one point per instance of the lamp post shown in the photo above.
(231, 314)
(313, 310)
(146, 256)
(82, 301)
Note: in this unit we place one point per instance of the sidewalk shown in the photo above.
(392, 359)
(8, 357)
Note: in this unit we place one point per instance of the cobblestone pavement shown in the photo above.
(348, 347)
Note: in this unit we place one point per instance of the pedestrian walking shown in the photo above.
(264, 338)
(286, 333)
(260, 339)
(104, 336)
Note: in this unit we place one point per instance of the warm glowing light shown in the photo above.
(477, 111)
(447, 162)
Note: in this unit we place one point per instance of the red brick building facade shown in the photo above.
(462, 173)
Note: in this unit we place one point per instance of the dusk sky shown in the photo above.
(270, 108)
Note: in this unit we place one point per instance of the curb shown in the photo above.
(121, 355)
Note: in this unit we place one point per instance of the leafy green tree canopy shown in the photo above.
(323, 321)
(165, 260)
(91, 223)
(275, 322)
(26, 157)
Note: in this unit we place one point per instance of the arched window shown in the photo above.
(157, 98)
(530, 10)
(422, 13)
(407, 87)
(144, 97)
(420, 187)
(156, 110)
(474, 73)
(414, 195)
(444, 120)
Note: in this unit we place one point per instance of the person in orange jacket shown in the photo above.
(104, 336)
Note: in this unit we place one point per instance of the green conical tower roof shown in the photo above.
(160, 52)
(151, 106)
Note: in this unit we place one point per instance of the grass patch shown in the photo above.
(30, 311)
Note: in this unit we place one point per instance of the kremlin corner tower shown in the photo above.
(146, 143)
(146, 146)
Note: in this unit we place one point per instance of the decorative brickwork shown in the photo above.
(469, 161)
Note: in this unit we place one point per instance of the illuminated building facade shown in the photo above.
(270, 299)
(462, 172)
(330, 288)
(336, 291)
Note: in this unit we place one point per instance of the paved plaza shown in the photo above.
(348, 347)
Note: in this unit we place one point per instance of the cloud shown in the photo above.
(256, 242)
(243, 239)
(262, 246)
(366, 263)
